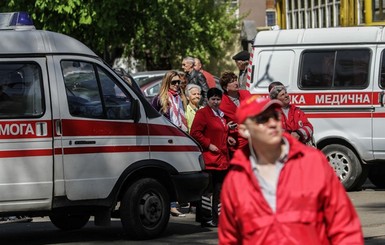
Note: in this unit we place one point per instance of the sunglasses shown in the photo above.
(174, 82)
(264, 118)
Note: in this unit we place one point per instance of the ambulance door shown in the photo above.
(378, 104)
(26, 154)
(101, 131)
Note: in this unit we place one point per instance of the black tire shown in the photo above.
(346, 165)
(69, 221)
(145, 209)
(377, 175)
(362, 178)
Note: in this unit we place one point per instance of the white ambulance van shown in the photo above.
(337, 76)
(77, 141)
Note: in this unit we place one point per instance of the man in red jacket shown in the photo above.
(280, 191)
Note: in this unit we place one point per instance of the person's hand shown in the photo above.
(213, 148)
(231, 140)
(295, 135)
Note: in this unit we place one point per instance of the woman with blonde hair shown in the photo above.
(169, 102)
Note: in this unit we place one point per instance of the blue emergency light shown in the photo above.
(16, 21)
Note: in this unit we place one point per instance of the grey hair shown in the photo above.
(189, 59)
(191, 86)
(275, 91)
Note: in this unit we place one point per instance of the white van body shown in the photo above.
(337, 76)
(77, 141)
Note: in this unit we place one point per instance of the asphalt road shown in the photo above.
(369, 203)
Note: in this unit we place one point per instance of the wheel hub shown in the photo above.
(151, 208)
(340, 164)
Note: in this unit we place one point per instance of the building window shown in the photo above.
(270, 18)
(378, 10)
(312, 14)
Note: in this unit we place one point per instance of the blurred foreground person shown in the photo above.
(280, 191)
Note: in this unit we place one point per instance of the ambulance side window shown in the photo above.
(382, 75)
(335, 69)
(93, 93)
(21, 94)
(117, 102)
(317, 70)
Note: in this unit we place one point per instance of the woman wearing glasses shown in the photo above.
(169, 101)
(170, 104)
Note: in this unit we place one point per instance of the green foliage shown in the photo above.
(160, 32)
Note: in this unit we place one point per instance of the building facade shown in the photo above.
(294, 14)
(255, 15)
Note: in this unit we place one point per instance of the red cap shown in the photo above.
(254, 106)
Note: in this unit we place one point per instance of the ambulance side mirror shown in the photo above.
(135, 110)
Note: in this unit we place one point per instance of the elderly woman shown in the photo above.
(193, 94)
(230, 101)
(294, 121)
(210, 129)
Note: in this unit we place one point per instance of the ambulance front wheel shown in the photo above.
(145, 209)
(345, 163)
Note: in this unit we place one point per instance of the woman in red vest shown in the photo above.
(210, 129)
(231, 99)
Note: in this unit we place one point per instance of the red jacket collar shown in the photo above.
(241, 156)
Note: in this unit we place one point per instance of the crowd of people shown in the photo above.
(268, 182)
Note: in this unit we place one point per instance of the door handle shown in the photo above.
(41, 129)
(58, 127)
(85, 142)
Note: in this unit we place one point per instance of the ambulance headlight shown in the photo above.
(202, 162)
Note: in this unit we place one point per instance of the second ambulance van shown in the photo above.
(337, 76)
(77, 141)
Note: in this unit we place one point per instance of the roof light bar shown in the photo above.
(16, 21)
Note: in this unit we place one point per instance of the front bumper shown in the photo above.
(189, 187)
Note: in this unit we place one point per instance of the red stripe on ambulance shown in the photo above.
(115, 149)
(108, 128)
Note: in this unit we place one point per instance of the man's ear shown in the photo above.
(243, 131)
